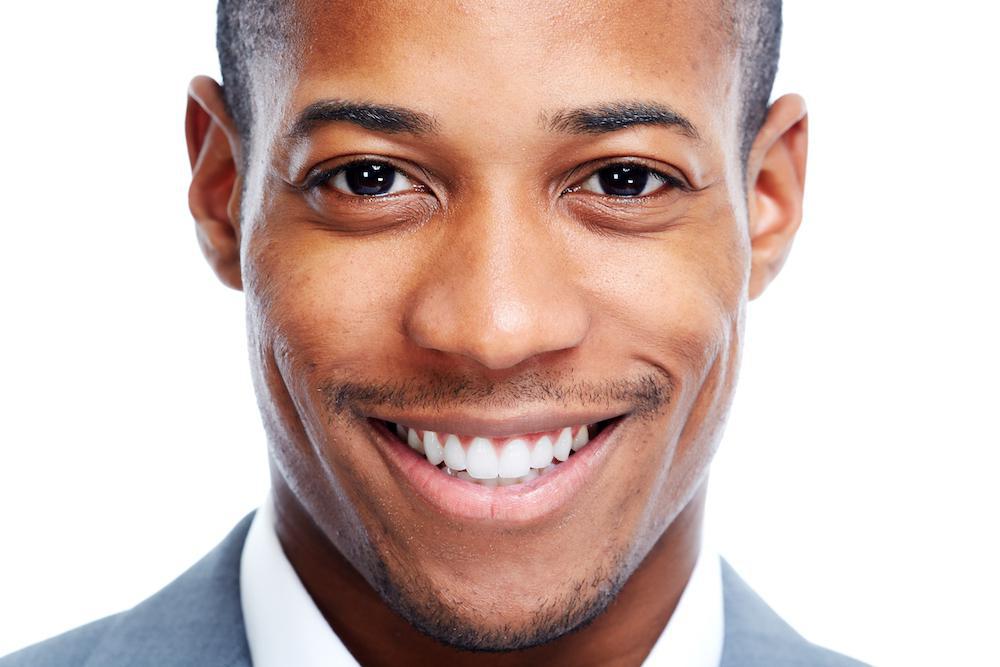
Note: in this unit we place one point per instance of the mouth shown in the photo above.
(514, 477)
(506, 461)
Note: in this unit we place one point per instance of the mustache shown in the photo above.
(647, 393)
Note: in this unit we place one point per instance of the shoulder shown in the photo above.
(757, 636)
(70, 648)
(196, 619)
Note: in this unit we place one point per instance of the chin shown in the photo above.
(466, 619)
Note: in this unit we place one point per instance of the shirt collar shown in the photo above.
(284, 626)
(696, 630)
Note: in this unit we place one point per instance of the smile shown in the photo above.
(500, 474)
(492, 461)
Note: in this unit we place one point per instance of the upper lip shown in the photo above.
(519, 423)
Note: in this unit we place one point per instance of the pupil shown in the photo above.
(622, 180)
(369, 178)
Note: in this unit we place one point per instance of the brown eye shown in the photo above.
(626, 180)
(369, 178)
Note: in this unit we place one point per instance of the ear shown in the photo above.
(776, 173)
(214, 195)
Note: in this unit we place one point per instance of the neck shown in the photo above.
(623, 635)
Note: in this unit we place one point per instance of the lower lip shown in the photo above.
(515, 504)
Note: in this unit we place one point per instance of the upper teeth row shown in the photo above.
(483, 459)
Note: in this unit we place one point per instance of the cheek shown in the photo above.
(317, 309)
(671, 301)
(332, 302)
(676, 302)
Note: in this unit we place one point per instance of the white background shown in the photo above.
(856, 489)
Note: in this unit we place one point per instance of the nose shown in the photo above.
(499, 289)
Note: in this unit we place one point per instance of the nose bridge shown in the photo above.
(499, 292)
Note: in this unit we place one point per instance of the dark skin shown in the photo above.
(495, 283)
(622, 635)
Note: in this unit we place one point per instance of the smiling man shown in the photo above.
(497, 259)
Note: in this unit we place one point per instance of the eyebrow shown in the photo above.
(393, 119)
(377, 117)
(618, 116)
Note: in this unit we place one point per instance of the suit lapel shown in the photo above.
(756, 636)
(195, 620)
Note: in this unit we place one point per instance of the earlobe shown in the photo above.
(213, 149)
(776, 179)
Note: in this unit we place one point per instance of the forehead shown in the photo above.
(498, 66)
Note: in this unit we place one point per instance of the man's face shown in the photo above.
(507, 262)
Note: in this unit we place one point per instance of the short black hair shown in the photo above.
(245, 30)
(249, 28)
(758, 37)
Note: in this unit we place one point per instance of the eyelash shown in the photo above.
(322, 177)
(317, 179)
(665, 178)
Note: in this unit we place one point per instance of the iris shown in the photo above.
(369, 178)
(623, 180)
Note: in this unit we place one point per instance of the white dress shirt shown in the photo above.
(284, 626)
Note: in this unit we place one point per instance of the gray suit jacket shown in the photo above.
(197, 620)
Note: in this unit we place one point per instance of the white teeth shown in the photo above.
(432, 448)
(454, 453)
(519, 460)
(413, 439)
(481, 459)
(541, 455)
(563, 443)
(515, 459)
